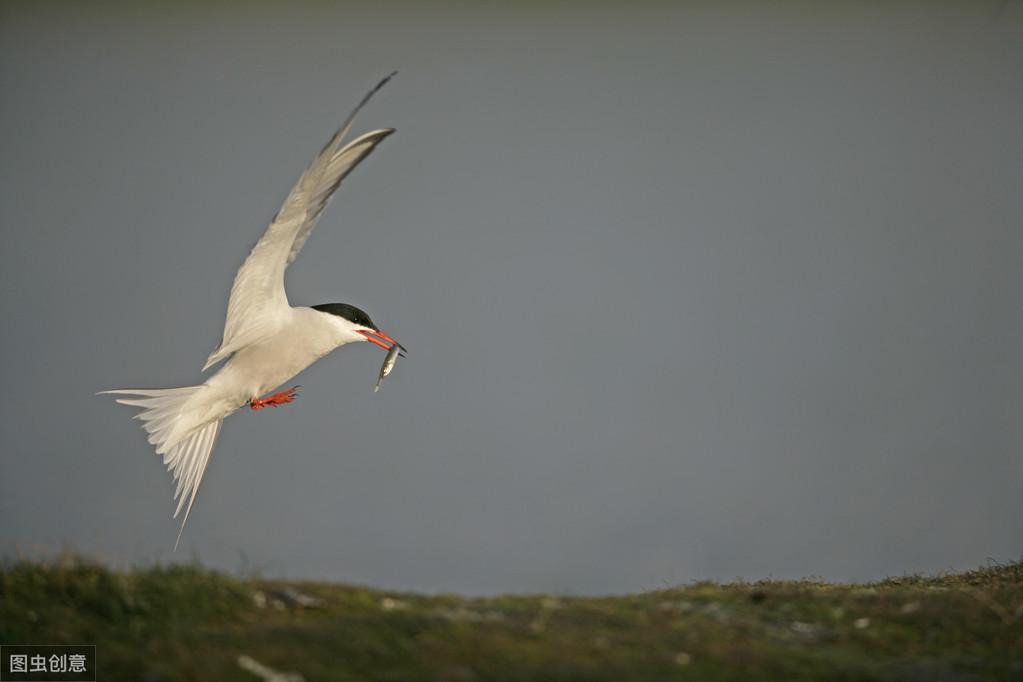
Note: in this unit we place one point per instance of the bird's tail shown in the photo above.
(170, 418)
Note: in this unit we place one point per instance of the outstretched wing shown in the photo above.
(258, 303)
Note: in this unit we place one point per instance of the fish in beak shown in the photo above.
(382, 339)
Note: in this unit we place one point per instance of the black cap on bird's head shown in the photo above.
(349, 312)
(359, 317)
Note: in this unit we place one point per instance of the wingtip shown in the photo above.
(382, 83)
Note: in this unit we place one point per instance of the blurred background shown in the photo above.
(691, 290)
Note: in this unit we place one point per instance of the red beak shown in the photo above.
(382, 339)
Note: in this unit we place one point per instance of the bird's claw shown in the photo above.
(282, 398)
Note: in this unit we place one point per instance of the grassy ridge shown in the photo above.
(189, 623)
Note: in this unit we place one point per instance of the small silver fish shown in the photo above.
(389, 362)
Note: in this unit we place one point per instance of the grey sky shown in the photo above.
(690, 291)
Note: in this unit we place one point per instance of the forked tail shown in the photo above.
(186, 446)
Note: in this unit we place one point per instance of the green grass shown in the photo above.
(189, 623)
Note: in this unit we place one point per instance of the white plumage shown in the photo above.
(267, 340)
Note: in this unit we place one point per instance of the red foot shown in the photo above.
(282, 398)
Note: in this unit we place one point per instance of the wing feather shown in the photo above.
(258, 303)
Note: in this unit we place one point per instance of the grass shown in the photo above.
(190, 623)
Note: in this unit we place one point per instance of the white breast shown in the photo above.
(305, 337)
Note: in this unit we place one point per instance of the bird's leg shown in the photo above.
(282, 398)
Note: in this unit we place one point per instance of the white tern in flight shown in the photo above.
(267, 341)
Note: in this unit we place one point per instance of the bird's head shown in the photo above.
(358, 325)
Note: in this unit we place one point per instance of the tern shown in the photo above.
(266, 341)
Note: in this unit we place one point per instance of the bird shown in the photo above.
(266, 340)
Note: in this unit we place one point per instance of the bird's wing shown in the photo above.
(258, 300)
